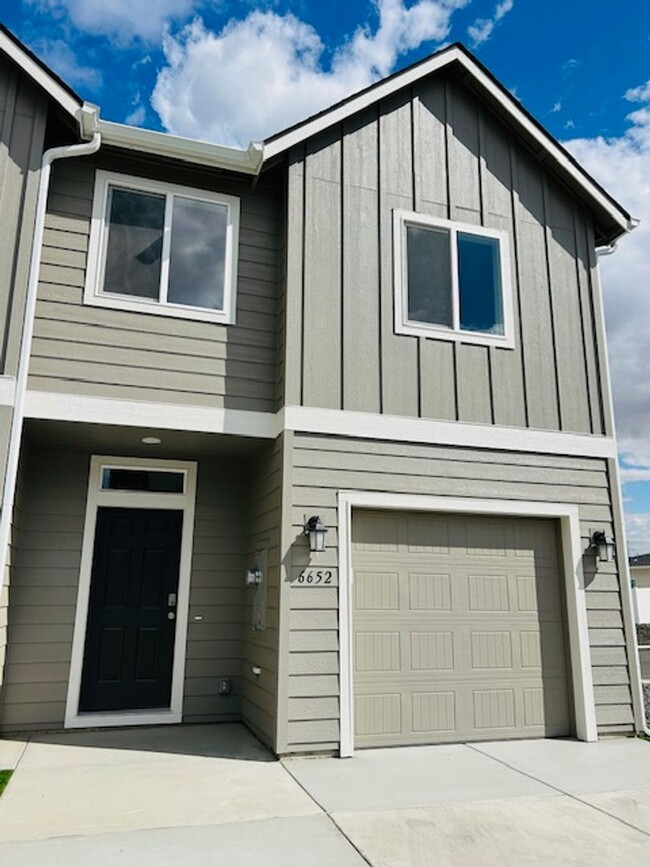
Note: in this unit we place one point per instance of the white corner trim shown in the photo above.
(568, 515)
(7, 390)
(58, 406)
(184, 502)
(366, 425)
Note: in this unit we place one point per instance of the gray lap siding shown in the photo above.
(45, 578)
(323, 465)
(124, 354)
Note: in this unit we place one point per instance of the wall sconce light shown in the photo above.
(604, 545)
(315, 529)
(253, 577)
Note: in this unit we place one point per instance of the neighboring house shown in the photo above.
(640, 574)
(387, 317)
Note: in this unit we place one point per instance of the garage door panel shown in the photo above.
(463, 641)
(429, 591)
(376, 591)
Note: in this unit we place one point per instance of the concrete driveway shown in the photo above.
(211, 795)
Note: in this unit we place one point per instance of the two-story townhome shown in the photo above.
(316, 435)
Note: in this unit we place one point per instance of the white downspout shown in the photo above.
(627, 596)
(88, 119)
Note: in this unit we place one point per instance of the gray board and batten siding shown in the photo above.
(435, 148)
(45, 580)
(128, 355)
(23, 116)
(323, 465)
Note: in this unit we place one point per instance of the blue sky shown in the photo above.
(582, 67)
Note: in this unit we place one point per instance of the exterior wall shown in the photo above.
(115, 353)
(23, 114)
(44, 590)
(259, 692)
(12, 561)
(321, 466)
(437, 150)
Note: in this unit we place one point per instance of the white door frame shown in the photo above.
(572, 552)
(97, 497)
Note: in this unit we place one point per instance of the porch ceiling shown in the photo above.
(127, 441)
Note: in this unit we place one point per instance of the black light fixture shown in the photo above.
(315, 529)
(604, 545)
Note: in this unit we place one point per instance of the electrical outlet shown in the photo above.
(225, 686)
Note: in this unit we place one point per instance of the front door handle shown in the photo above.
(171, 600)
(171, 615)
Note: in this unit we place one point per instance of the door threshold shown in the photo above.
(140, 717)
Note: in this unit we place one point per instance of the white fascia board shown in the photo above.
(248, 161)
(382, 90)
(58, 406)
(55, 406)
(467, 434)
(40, 77)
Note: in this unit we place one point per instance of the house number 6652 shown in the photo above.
(314, 576)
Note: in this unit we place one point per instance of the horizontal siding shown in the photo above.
(45, 581)
(436, 149)
(216, 594)
(124, 354)
(324, 465)
(259, 694)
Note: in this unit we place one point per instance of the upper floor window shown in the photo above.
(164, 249)
(452, 280)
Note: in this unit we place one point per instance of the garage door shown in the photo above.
(458, 629)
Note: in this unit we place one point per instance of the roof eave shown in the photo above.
(245, 161)
(614, 221)
(40, 75)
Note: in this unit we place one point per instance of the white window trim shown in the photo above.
(403, 325)
(93, 294)
(97, 497)
(574, 584)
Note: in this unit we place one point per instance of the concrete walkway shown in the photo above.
(199, 795)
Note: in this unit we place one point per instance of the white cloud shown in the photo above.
(266, 71)
(639, 94)
(635, 474)
(137, 117)
(622, 165)
(637, 531)
(58, 55)
(481, 30)
(121, 20)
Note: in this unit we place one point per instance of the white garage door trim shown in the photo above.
(581, 676)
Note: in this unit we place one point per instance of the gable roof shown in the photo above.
(40, 73)
(613, 220)
(640, 560)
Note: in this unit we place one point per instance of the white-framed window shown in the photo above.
(162, 248)
(452, 280)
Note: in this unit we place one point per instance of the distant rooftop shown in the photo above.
(640, 560)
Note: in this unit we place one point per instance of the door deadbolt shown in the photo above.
(171, 600)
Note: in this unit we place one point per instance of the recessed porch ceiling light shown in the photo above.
(151, 441)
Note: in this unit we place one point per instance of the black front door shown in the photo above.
(129, 650)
